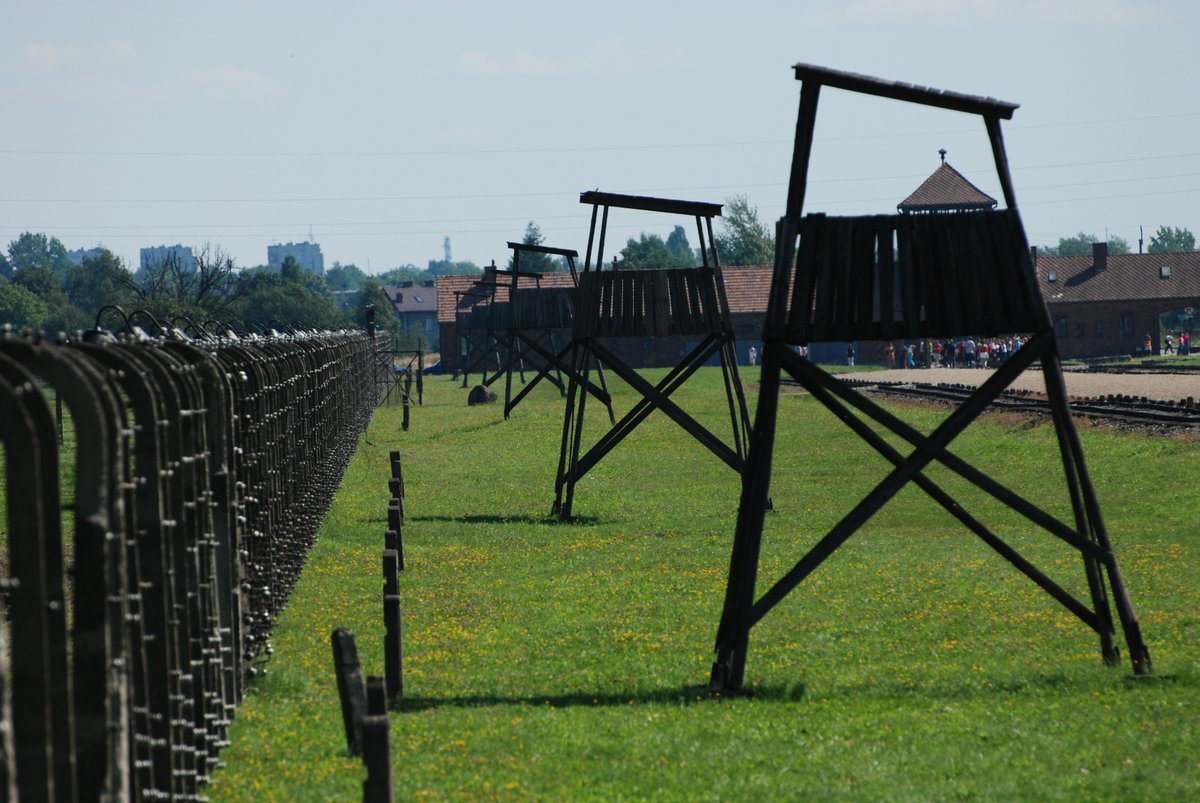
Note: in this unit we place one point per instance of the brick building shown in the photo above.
(1106, 304)
(416, 307)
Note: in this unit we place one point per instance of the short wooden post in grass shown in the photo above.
(351, 691)
(397, 473)
(395, 514)
(377, 758)
(397, 498)
(393, 541)
(393, 642)
(420, 377)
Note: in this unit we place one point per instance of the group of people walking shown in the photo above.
(966, 352)
(1181, 345)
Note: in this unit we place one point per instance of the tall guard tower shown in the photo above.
(910, 276)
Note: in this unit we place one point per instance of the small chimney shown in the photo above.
(1100, 256)
(1033, 254)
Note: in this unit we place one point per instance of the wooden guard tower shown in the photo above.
(618, 304)
(528, 325)
(910, 276)
(474, 322)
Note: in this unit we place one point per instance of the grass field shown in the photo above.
(570, 661)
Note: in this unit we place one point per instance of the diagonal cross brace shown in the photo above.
(934, 445)
(961, 467)
(820, 386)
(655, 398)
(675, 378)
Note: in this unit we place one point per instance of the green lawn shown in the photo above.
(570, 661)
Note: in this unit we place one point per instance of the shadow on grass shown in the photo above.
(685, 695)
(501, 518)
(1036, 685)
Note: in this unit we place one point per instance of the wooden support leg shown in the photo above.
(728, 671)
(568, 454)
(1091, 522)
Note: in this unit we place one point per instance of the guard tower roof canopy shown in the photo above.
(928, 96)
(691, 208)
(544, 249)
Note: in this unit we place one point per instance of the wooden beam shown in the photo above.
(911, 93)
(646, 203)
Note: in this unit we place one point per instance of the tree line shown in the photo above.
(42, 289)
(1166, 238)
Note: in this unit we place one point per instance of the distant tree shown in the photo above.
(209, 290)
(1078, 245)
(39, 280)
(290, 269)
(400, 275)
(100, 281)
(292, 297)
(1168, 238)
(20, 307)
(1081, 245)
(440, 267)
(344, 277)
(371, 293)
(5, 267)
(61, 315)
(31, 250)
(531, 260)
(648, 251)
(743, 239)
(680, 250)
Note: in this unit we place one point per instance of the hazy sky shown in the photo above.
(383, 127)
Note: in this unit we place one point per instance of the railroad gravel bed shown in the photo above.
(1164, 387)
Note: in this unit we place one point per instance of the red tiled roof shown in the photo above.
(747, 288)
(414, 298)
(946, 189)
(1127, 277)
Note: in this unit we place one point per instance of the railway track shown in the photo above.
(1133, 412)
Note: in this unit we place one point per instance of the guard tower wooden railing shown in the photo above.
(905, 276)
(615, 304)
(532, 323)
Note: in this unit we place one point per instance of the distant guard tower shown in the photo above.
(617, 304)
(531, 323)
(879, 277)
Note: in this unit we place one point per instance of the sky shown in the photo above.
(378, 129)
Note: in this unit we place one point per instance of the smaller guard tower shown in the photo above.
(474, 323)
(529, 325)
(940, 273)
(617, 304)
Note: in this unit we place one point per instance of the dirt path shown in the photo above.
(1167, 387)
